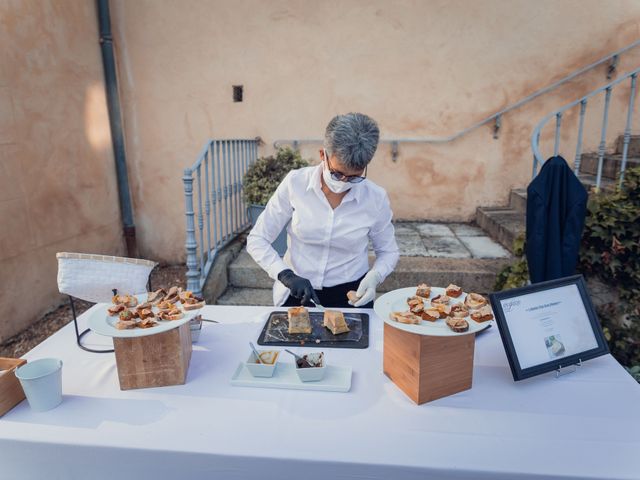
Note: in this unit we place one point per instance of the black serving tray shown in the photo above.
(276, 332)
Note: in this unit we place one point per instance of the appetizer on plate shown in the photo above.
(430, 314)
(442, 299)
(423, 290)
(458, 325)
(475, 301)
(443, 309)
(483, 314)
(453, 291)
(126, 300)
(405, 317)
(459, 310)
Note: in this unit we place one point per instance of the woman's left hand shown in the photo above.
(367, 288)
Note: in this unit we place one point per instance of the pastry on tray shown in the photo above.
(334, 321)
(173, 295)
(459, 310)
(414, 301)
(423, 290)
(458, 325)
(475, 301)
(484, 314)
(453, 291)
(405, 317)
(299, 320)
(443, 299)
(353, 297)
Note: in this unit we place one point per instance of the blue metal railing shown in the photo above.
(538, 159)
(218, 204)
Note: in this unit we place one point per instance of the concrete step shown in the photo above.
(518, 199)
(503, 224)
(474, 274)
(611, 164)
(246, 296)
(634, 145)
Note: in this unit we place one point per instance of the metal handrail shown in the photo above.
(558, 113)
(497, 117)
(220, 214)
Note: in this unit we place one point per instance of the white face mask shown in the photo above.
(336, 186)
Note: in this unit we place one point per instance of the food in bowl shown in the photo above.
(311, 367)
(269, 359)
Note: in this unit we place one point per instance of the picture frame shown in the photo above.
(548, 326)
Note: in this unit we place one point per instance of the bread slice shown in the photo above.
(405, 317)
(334, 321)
(453, 291)
(423, 290)
(443, 309)
(442, 299)
(475, 301)
(458, 325)
(459, 310)
(482, 315)
(352, 296)
(430, 315)
(299, 320)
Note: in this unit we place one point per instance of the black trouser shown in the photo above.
(335, 296)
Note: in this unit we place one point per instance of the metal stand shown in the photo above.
(560, 371)
(80, 335)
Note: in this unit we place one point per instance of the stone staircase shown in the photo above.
(439, 254)
(504, 224)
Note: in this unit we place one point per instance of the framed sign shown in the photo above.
(547, 326)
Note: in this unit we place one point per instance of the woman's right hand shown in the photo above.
(299, 287)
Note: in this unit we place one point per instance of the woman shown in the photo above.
(334, 211)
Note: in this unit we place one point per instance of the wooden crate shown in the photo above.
(11, 392)
(425, 367)
(154, 360)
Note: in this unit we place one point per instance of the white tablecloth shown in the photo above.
(582, 425)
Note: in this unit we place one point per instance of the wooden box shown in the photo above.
(154, 360)
(426, 367)
(11, 392)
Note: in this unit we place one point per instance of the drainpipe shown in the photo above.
(115, 121)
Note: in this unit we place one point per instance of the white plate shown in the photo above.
(396, 301)
(336, 379)
(104, 324)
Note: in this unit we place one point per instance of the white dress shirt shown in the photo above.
(326, 246)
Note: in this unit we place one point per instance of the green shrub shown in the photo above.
(611, 251)
(516, 274)
(264, 176)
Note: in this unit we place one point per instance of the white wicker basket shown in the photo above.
(93, 277)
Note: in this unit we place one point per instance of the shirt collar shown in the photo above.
(354, 193)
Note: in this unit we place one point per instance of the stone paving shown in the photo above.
(446, 240)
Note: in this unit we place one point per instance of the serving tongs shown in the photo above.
(318, 306)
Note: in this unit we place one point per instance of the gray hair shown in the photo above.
(353, 139)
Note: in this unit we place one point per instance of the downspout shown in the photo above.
(115, 122)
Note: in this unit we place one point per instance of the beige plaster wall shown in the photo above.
(57, 175)
(421, 68)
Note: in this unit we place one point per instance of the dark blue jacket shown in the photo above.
(556, 209)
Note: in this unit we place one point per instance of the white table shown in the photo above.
(582, 425)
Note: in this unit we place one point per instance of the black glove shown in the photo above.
(300, 287)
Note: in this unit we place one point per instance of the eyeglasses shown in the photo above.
(341, 177)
